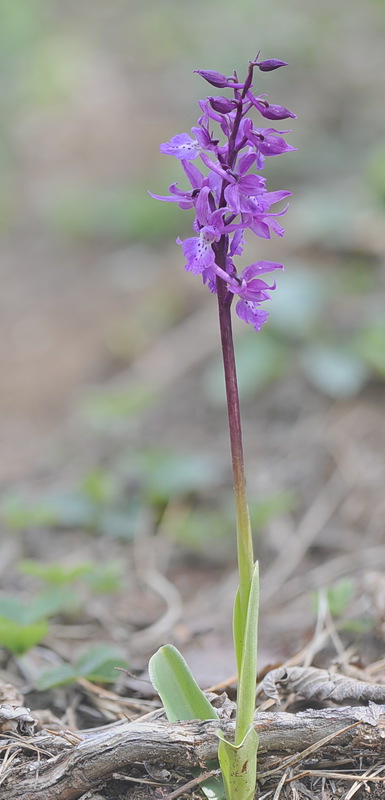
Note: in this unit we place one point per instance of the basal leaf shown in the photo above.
(238, 631)
(248, 671)
(180, 694)
(239, 766)
(183, 699)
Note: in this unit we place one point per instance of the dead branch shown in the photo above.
(73, 769)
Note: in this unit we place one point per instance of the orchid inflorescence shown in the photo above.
(231, 197)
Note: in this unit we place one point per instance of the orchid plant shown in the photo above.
(228, 196)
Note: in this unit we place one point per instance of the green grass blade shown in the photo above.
(180, 694)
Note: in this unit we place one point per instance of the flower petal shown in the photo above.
(198, 253)
(181, 146)
(194, 175)
(259, 268)
(251, 313)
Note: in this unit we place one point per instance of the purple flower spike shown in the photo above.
(270, 64)
(228, 195)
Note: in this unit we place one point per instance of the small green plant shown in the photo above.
(101, 578)
(19, 637)
(55, 573)
(340, 596)
(97, 664)
(227, 201)
(21, 626)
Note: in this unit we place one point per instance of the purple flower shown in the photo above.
(229, 195)
(252, 291)
(267, 141)
(185, 199)
(181, 146)
(250, 286)
(251, 313)
(198, 250)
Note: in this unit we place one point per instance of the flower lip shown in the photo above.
(181, 146)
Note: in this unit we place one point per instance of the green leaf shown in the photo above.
(98, 663)
(12, 609)
(51, 601)
(357, 626)
(203, 529)
(47, 603)
(106, 578)
(164, 474)
(248, 671)
(238, 631)
(57, 676)
(239, 766)
(120, 523)
(19, 513)
(264, 510)
(53, 573)
(334, 370)
(19, 638)
(98, 487)
(376, 170)
(180, 694)
(370, 345)
(70, 510)
(182, 699)
(339, 596)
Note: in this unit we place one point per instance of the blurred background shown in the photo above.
(116, 511)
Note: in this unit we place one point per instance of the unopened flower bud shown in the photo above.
(270, 64)
(270, 110)
(222, 104)
(218, 80)
(215, 78)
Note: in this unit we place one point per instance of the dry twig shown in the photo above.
(76, 769)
